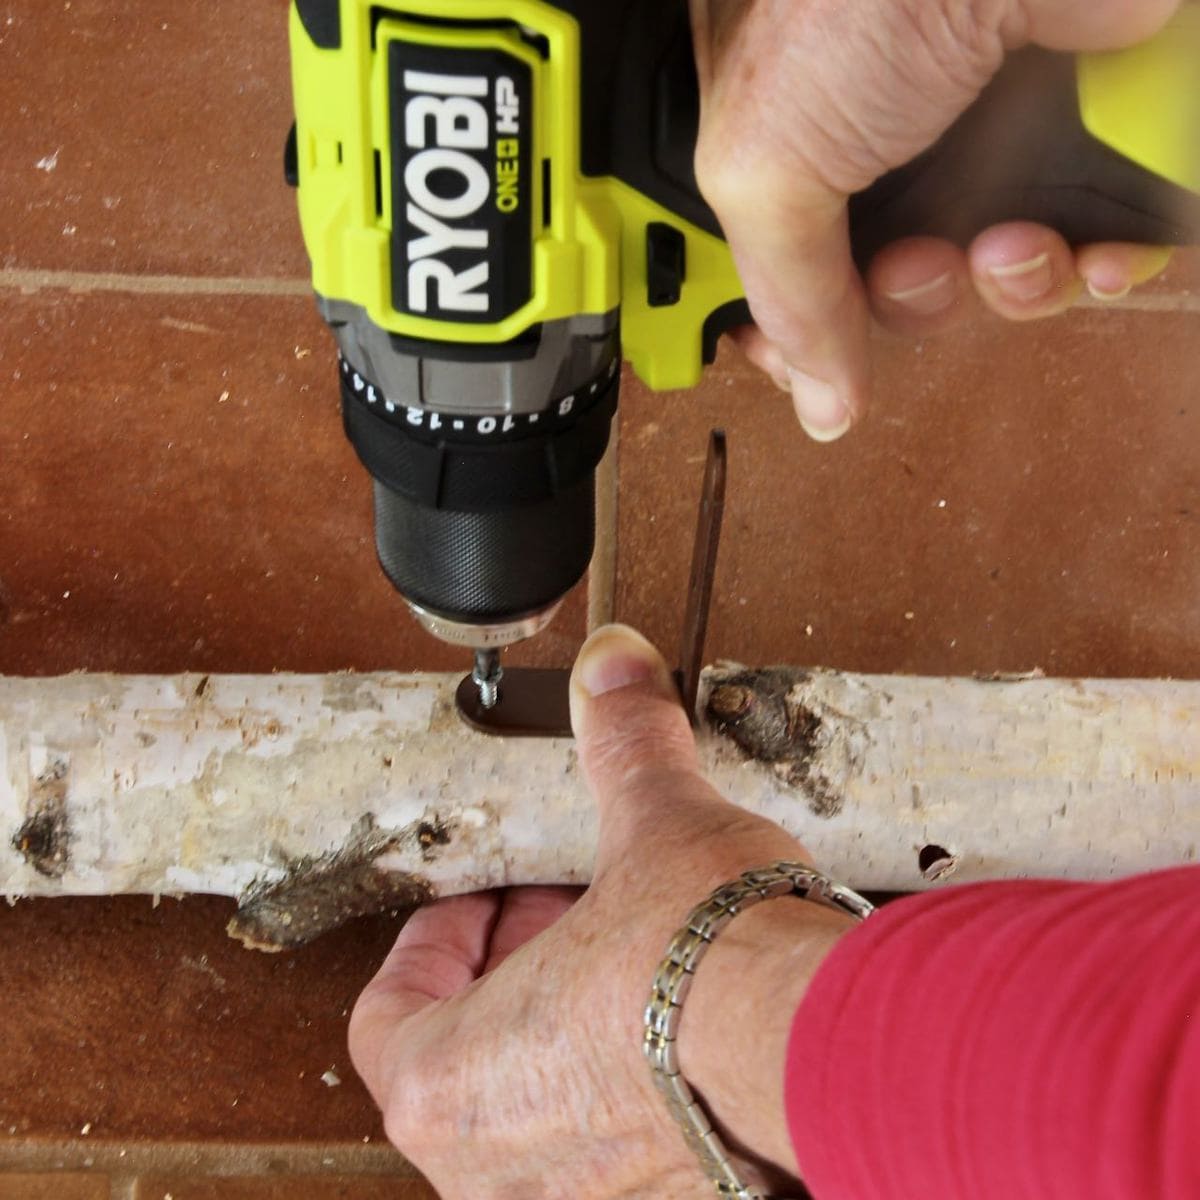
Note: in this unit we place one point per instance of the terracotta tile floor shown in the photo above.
(137, 1022)
(147, 137)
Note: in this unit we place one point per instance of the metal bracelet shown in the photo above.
(674, 979)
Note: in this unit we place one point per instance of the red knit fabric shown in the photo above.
(1013, 1041)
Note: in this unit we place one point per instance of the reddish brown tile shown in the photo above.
(1017, 498)
(285, 1187)
(54, 1185)
(124, 1021)
(147, 138)
(177, 493)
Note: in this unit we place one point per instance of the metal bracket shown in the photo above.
(533, 702)
(704, 570)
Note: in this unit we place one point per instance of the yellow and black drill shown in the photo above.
(499, 202)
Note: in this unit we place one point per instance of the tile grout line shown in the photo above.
(32, 281)
(29, 282)
(125, 1163)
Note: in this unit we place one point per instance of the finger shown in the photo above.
(1024, 271)
(1112, 270)
(920, 286)
(441, 950)
(1088, 24)
(524, 913)
(792, 250)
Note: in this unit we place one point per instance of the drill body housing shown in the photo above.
(499, 202)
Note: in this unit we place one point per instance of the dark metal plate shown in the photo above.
(533, 702)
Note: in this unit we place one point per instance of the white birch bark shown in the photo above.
(217, 784)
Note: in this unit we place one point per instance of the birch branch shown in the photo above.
(315, 798)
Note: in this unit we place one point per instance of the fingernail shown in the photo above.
(927, 299)
(823, 414)
(1114, 278)
(1024, 281)
(1099, 293)
(616, 656)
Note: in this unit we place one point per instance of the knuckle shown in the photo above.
(731, 176)
(405, 1123)
(366, 1042)
(416, 1118)
(398, 1127)
(712, 175)
(409, 1084)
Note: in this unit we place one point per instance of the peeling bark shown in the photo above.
(317, 798)
(318, 894)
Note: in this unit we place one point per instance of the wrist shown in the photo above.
(735, 1027)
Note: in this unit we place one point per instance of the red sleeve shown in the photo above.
(1006, 1042)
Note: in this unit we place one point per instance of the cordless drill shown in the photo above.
(499, 202)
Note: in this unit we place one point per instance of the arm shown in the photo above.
(1007, 1040)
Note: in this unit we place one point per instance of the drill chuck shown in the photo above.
(483, 522)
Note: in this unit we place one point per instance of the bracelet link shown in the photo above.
(673, 981)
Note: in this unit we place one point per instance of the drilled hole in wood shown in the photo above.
(935, 862)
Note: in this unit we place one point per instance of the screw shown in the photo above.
(487, 675)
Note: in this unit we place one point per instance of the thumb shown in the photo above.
(635, 744)
(659, 817)
(770, 166)
(792, 249)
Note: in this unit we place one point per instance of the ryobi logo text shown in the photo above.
(461, 184)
